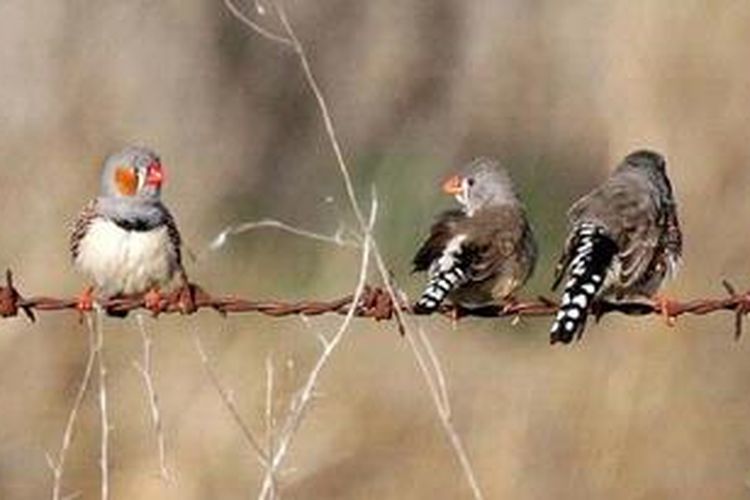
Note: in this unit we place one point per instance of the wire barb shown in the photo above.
(375, 303)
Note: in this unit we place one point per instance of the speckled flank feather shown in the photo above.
(81, 226)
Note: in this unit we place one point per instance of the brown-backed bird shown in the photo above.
(624, 240)
(481, 254)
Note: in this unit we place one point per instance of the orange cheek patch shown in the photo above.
(126, 181)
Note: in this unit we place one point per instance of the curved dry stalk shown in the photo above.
(103, 407)
(236, 12)
(229, 403)
(234, 230)
(145, 368)
(58, 465)
(270, 425)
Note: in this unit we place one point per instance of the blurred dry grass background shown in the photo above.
(558, 90)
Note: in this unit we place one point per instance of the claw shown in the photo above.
(187, 298)
(152, 301)
(666, 308)
(509, 305)
(455, 314)
(85, 302)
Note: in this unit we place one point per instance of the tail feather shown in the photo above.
(439, 286)
(591, 256)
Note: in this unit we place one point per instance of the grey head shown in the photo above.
(134, 172)
(480, 184)
(650, 164)
(131, 188)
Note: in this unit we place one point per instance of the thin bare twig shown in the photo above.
(335, 239)
(229, 403)
(270, 426)
(145, 368)
(237, 13)
(58, 465)
(103, 411)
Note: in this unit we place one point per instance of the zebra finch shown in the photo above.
(624, 240)
(482, 253)
(125, 240)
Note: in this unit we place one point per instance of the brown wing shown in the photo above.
(81, 227)
(495, 240)
(442, 231)
(672, 238)
(628, 206)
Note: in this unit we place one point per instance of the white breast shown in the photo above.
(120, 261)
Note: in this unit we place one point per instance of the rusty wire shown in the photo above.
(376, 303)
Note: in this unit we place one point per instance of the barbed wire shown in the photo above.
(375, 303)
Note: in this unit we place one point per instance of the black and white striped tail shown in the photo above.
(591, 256)
(439, 286)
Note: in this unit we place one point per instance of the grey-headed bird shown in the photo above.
(482, 253)
(624, 240)
(126, 241)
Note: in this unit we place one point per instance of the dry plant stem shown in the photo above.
(145, 368)
(434, 377)
(301, 402)
(269, 420)
(236, 12)
(103, 412)
(325, 114)
(435, 380)
(336, 239)
(229, 403)
(58, 465)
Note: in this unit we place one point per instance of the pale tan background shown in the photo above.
(558, 90)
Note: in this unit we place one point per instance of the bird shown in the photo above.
(126, 241)
(624, 239)
(482, 253)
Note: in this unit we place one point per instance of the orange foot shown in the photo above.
(509, 303)
(667, 308)
(455, 314)
(85, 302)
(152, 301)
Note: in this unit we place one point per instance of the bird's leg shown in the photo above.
(509, 303)
(508, 308)
(86, 300)
(667, 308)
(187, 295)
(455, 314)
(152, 301)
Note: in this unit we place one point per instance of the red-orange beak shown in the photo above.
(453, 185)
(155, 175)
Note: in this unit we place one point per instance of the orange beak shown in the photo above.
(155, 175)
(453, 185)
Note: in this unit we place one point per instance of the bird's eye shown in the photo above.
(470, 181)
